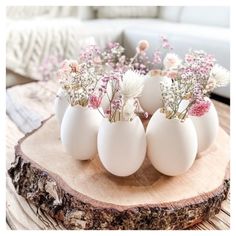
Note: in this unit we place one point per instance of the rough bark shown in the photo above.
(41, 189)
(50, 193)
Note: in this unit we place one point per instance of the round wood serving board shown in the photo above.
(82, 194)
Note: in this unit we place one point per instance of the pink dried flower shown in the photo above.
(157, 57)
(97, 60)
(74, 66)
(68, 66)
(172, 74)
(108, 111)
(145, 114)
(110, 45)
(88, 54)
(189, 58)
(143, 45)
(165, 43)
(65, 66)
(94, 101)
(199, 108)
(113, 45)
(171, 61)
(49, 66)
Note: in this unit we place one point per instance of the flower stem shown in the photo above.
(101, 113)
(132, 59)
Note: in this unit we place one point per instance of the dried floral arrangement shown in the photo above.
(191, 81)
(86, 81)
(125, 89)
(111, 58)
(78, 81)
(89, 79)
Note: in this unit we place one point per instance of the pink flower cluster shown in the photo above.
(141, 64)
(157, 57)
(112, 56)
(94, 101)
(90, 55)
(49, 66)
(165, 43)
(112, 79)
(141, 61)
(199, 108)
(69, 66)
(197, 64)
(195, 72)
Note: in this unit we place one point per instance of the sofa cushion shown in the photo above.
(19, 12)
(25, 12)
(86, 13)
(214, 40)
(127, 11)
(170, 13)
(216, 16)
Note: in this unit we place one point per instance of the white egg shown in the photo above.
(122, 146)
(171, 144)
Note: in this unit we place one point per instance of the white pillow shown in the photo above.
(127, 11)
(209, 15)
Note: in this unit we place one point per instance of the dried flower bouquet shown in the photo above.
(184, 89)
(192, 81)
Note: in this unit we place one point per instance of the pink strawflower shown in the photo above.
(143, 45)
(199, 108)
(74, 66)
(94, 101)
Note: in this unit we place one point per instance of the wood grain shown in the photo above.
(147, 186)
(44, 106)
(83, 195)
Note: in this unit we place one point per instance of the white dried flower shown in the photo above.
(166, 93)
(221, 75)
(171, 61)
(129, 109)
(211, 84)
(132, 85)
(166, 81)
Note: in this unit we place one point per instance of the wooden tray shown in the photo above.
(83, 195)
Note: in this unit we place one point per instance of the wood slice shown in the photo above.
(83, 195)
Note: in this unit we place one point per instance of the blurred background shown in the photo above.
(38, 33)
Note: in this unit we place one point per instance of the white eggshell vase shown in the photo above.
(60, 105)
(122, 146)
(207, 127)
(79, 130)
(151, 99)
(171, 144)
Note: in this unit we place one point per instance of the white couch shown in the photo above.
(29, 40)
